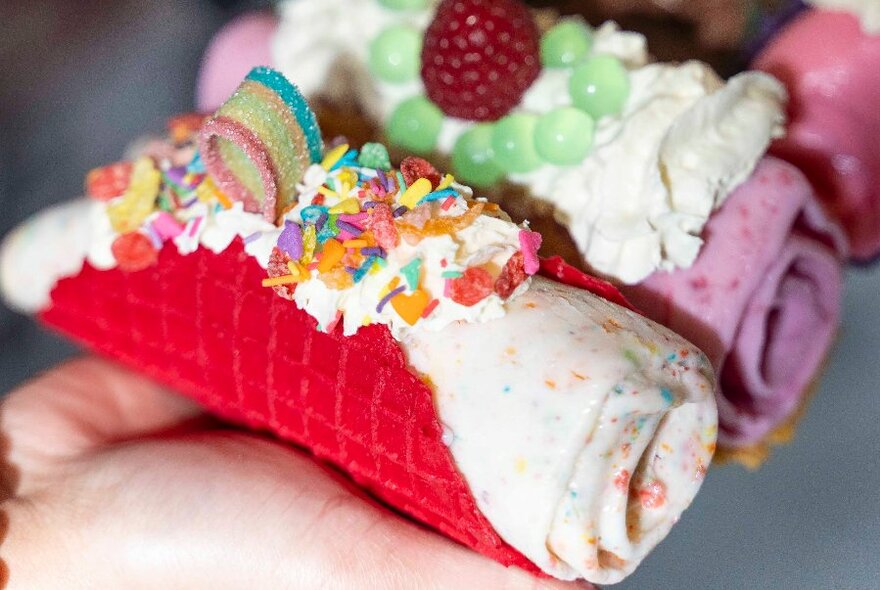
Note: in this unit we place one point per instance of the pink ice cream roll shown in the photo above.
(830, 66)
(762, 299)
(242, 44)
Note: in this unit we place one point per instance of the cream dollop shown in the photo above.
(55, 243)
(639, 201)
(867, 11)
(685, 140)
(329, 57)
(43, 250)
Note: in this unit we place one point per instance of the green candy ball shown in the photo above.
(566, 44)
(395, 55)
(473, 157)
(600, 86)
(415, 125)
(513, 141)
(564, 136)
(404, 4)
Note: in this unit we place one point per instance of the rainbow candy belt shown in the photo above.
(259, 144)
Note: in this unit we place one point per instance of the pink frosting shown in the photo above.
(762, 299)
(243, 43)
(832, 71)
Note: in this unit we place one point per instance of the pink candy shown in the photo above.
(529, 243)
(166, 226)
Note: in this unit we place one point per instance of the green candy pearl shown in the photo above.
(472, 157)
(395, 55)
(599, 86)
(566, 44)
(415, 125)
(513, 141)
(564, 136)
(404, 4)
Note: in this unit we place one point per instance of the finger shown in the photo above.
(75, 408)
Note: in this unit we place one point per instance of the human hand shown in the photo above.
(113, 482)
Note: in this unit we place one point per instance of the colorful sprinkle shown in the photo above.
(410, 307)
(384, 301)
(412, 272)
(430, 308)
(333, 156)
(167, 226)
(342, 218)
(416, 192)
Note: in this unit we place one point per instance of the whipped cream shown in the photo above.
(43, 250)
(639, 201)
(57, 242)
(487, 241)
(330, 56)
(867, 11)
(583, 463)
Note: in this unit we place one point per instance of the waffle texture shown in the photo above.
(203, 325)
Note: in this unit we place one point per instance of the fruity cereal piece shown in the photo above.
(134, 251)
(139, 200)
(337, 278)
(183, 128)
(108, 182)
(278, 267)
(439, 226)
(512, 276)
(474, 285)
(381, 223)
(413, 168)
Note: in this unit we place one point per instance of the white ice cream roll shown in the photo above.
(583, 430)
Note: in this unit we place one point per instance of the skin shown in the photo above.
(110, 481)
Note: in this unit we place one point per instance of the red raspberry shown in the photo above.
(278, 268)
(479, 57)
(414, 168)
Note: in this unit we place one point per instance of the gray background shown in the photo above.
(78, 80)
